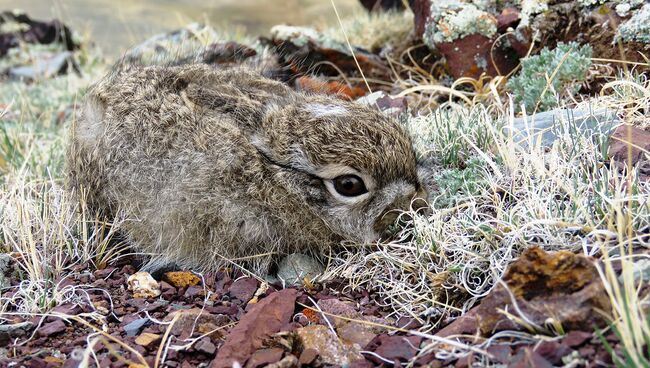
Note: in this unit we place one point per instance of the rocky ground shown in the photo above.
(551, 308)
(188, 320)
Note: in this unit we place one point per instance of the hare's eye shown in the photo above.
(349, 185)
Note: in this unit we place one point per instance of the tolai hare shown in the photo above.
(211, 166)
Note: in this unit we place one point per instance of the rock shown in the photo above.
(8, 332)
(302, 50)
(330, 349)
(264, 318)
(546, 125)
(294, 268)
(289, 361)
(52, 328)
(559, 285)
(356, 333)
(500, 353)
(476, 54)
(205, 346)
(576, 338)
(192, 320)
(243, 289)
(172, 48)
(46, 67)
(308, 356)
(143, 285)
(264, 357)
(471, 38)
(552, 351)
(528, 358)
(168, 291)
(181, 279)
(146, 339)
(35, 32)
(402, 348)
(194, 291)
(136, 326)
(349, 331)
(630, 142)
(422, 12)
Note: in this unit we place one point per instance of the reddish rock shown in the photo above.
(266, 318)
(168, 291)
(303, 51)
(628, 142)
(335, 307)
(501, 353)
(264, 357)
(243, 289)
(194, 291)
(552, 351)
(526, 358)
(51, 328)
(475, 54)
(308, 356)
(576, 338)
(205, 346)
(401, 348)
(422, 12)
(191, 320)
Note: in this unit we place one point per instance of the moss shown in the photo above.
(533, 86)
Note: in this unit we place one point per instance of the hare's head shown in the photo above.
(350, 164)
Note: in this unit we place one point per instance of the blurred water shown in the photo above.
(117, 24)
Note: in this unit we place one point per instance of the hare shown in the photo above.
(214, 166)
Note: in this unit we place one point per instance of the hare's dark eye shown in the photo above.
(349, 185)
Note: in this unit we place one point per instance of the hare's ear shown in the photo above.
(226, 100)
(293, 158)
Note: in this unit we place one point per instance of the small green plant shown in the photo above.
(456, 183)
(550, 74)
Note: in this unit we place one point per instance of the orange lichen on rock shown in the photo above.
(181, 279)
(538, 272)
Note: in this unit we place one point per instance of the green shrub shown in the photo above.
(550, 74)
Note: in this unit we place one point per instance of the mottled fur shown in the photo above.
(211, 165)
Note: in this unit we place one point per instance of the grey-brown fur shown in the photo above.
(212, 164)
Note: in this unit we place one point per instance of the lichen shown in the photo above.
(451, 20)
(637, 28)
(591, 3)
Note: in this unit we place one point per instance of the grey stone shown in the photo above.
(640, 271)
(12, 331)
(136, 326)
(294, 268)
(549, 124)
(45, 68)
